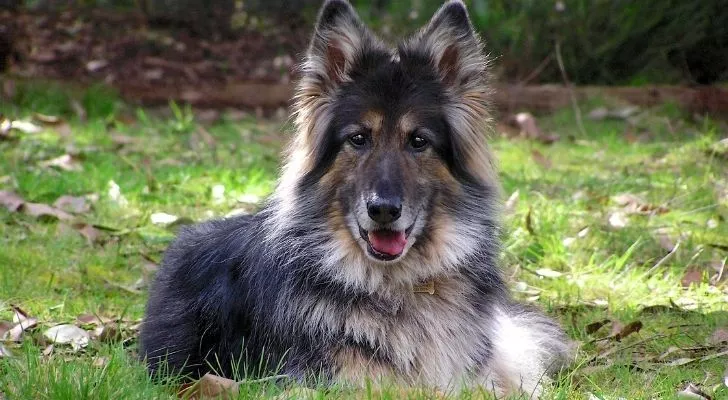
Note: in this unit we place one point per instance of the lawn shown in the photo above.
(618, 230)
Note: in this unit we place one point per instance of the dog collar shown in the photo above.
(427, 287)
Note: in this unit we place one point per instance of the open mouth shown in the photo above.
(385, 244)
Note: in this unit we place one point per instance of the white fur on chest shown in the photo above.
(435, 340)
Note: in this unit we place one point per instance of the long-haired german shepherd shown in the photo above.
(377, 255)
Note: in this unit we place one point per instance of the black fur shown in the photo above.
(237, 300)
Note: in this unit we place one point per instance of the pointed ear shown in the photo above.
(453, 46)
(338, 39)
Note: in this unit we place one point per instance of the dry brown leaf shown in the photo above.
(527, 123)
(72, 204)
(692, 391)
(100, 362)
(11, 200)
(15, 333)
(65, 162)
(19, 315)
(596, 326)
(719, 336)
(40, 211)
(632, 327)
(89, 232)
(693, 275)
(665, 240)
(541, 159)
(210, 386)
(108, 333)
(632, 204)
(4, 327)
(48, 350)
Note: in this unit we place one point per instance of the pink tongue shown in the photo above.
(388, 242)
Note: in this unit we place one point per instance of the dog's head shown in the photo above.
(394, 138)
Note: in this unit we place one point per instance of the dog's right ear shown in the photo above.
(339, 38)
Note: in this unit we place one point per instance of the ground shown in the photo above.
(618, 230)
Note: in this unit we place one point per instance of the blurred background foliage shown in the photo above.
(601, 41)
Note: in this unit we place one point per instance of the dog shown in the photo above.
(376, 257)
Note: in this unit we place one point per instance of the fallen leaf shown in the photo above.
(42, 211)
(719, 336)
(4, 352)
(123, 140)
(93, 319)
(214, 386)
(100, 362)
(548, 273)
(541, 159)
(664, 238)
(249, 199)
(95, 65)
(693, 275)
(618, 220)
(692, 391)
(48, 350)
(72, 204)
(16, 332)
(115, 194)
(68, 334)
(632, 327)
(25, 127)
(595, 326)
(623, 112)
(598, 113)
(19, 315)
(79, 110)
(633, 204)
(4, 327)
(47, 119)
(11, 200)
(161, 218)
(526, 122)
(65, 162)
(218, 193)
(511, 203)
(108, 333)
(89, 232)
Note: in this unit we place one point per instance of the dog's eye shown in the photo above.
(418, 142)
(358, 140)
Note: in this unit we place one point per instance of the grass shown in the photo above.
(560, 251)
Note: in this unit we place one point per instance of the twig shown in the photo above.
(629, 346)
(720, 273)
(663, 259)
(537, 71)
(574, 104)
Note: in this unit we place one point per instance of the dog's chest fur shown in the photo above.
(434, 339)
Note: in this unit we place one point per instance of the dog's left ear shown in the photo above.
(453, 46)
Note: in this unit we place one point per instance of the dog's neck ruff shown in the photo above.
(427, 287)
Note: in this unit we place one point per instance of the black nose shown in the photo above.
(384, 210)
